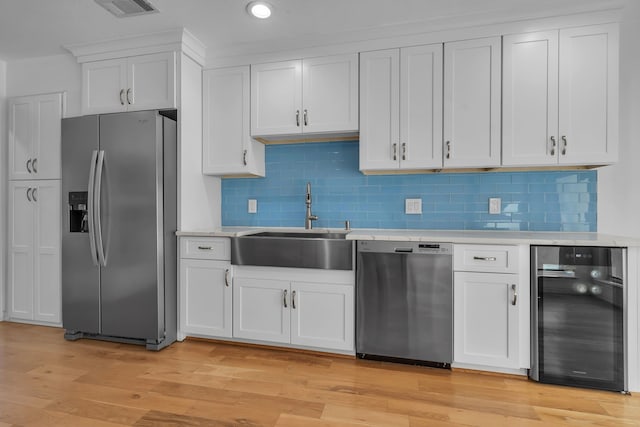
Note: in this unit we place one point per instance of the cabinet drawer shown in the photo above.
(485, 258)
(205, 248)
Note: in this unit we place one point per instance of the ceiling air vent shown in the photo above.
(126, 8)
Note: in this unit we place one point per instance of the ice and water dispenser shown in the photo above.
(78, 214)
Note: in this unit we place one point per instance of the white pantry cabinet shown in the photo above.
(307, 308)
(309, 96)
(34, 290)
(560, 97)
(205, 287)
(228, 149)
(142, 82)
(34, 136)
(401, 109)
(472, 76)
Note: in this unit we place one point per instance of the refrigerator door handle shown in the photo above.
(90, 207)
(97, 197)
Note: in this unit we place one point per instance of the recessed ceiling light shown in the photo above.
(259, 9)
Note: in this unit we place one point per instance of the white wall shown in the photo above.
(618, 193)
(3, 182)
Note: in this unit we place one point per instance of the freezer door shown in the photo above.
(131, 199)
(80, 276)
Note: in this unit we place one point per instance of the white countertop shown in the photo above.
(452, 236)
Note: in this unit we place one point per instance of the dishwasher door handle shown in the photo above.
(403, 250)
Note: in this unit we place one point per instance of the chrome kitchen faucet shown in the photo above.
(308, 225)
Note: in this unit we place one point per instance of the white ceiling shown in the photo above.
(31, 28)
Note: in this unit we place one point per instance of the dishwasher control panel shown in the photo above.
(421, 248)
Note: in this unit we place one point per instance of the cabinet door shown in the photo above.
(589, 95)
(21, 137)
(421, 107)
(104, 85)
(322, 315)
(205, 297)
(379, 110)
(47, 122)
(261, 309)
(472, 103)
(151, 81)
(227, 148)
(330, 94)
(486, 319)
(276, 98)
(20, 233)
(530, 99)
(47, 261)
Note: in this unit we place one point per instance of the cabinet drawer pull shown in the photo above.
(395, 151)
(564, 144)
(121, 96)
(298, 118)
(484, 258)
(34, 165)
(515, 295)
(29, 194)
(284, 298)
(306, 118)
(552, 152)
(129, 97)
(293, 300)
(244, 157)
(226, 277)
(448, 149)
(34, 193)
(204, 248)
(29, 166)
(404, 151)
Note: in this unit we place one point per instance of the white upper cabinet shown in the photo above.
(142, 82)
(560, 97)
(34, 136)
(228, 148)
(305, 96)
(472, 77)
(401, 109)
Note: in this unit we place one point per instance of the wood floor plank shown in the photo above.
(45, 380)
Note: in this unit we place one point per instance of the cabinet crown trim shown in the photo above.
(178, 39)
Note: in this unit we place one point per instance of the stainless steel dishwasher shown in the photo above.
(404, 302)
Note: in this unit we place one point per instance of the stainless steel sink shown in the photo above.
(323, 250)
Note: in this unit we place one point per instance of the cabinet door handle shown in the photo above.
(404, 151)
(552, 152)
(226, 277)
(284, 298)
(293, 300)
(564, 144)
(298, 118)
(395, 151)
(244, 157)
(34, 163)
(29, 194)
(34, 193)
(448, 143)
(204, 248)
(29, 166)
(306, 118)
(129, 97)
(484, 258)
(514, 301)
(121, 96)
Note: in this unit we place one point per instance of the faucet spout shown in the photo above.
(309, 217)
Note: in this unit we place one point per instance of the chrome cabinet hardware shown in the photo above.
(448, 143)
(244, 157)
(34, 193)
(484, 258)
(34, 163)
(284, 298)
(404, 151)
(29, 166)
(121, 96)
(226, 277)
(204, 248)
(293, 300)
(306, 118)
(29, 194)
(564, 144)
(552, 152)
(298, 118)
(515, 295)
(395, 151)
(129, 98)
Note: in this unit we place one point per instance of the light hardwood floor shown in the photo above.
(45, 380)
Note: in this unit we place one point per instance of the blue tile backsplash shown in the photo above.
(531, 201)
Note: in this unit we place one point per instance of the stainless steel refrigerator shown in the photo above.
(119, 221)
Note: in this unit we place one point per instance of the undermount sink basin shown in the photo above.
(297, 249)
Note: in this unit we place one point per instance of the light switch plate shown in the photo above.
(252, 206)
(413, 206)
(495, 205)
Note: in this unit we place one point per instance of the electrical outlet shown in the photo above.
(252, 206)
(495, 205)
(413, 206)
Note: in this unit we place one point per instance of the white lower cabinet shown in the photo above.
(205, 288)
(486, 327)
(292, 306)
